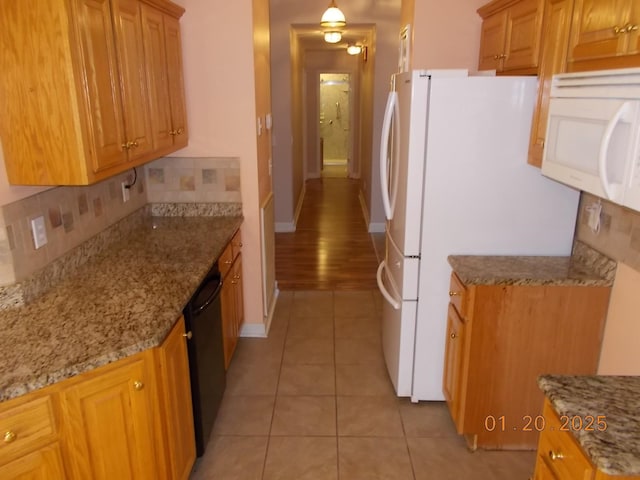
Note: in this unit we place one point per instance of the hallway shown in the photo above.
(331, 248)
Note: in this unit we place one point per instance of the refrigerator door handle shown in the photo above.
(388, 297)
(391, 111)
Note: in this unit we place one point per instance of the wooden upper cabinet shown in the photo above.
(133, 78)
(553, 59)
(605, 34)
(510, 36)
(75, 90)
(163, 52)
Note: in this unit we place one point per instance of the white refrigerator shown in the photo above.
(455, 181)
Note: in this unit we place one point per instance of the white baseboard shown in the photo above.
(296, 215)
(272, 310)
(285, 227)
(253, 330)
(376, 227)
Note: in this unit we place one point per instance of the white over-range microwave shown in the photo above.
(593, 134)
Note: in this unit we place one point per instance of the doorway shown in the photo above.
(335, 124)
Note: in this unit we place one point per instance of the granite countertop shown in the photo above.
(615, 450)
(526, 270)
(121, 302)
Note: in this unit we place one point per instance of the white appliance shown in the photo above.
(593, 134)
(455, 181)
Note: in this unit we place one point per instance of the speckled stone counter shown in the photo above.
(616, 450)
(121, 302)
(524, 270)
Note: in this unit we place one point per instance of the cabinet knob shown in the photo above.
(173, 132)
(555, 455)
(453, 335)
(619, 30)
(180, 131)
(126, 146)
(9, 436)
(134, 144)
(453, 294)
(138, 385)
(188, 335)
(630, 28)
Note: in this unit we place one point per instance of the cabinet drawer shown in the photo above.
(236, 244)
(559, 450)
(458, 295)
(226, 260)
(26, 426)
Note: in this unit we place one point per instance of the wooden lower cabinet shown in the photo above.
(175, 399)
(30, 446)
(500, 338)
(131, 419)
(560, 457)
(231, 296)
(42, 464)
(110, 422)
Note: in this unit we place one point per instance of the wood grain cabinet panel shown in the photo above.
(231, 296)
(109, 414)
(175, 396)
(511, 36)
(82, 112)
(163, 57)
(43, 464)
(553, 59)
(511, 334)
(605, 34)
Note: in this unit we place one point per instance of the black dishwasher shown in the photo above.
(203, 321)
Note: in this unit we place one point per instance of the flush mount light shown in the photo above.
(354, 49)
(333, 17)
(332, 37)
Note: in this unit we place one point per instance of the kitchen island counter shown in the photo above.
(122, 301)
(613, 446)
(586, 267)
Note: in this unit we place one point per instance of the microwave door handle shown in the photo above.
(385, 293)
(384, 147)
(604, 147)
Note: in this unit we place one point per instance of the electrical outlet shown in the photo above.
(39, 232)
(126, 195)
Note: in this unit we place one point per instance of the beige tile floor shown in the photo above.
(314, 402)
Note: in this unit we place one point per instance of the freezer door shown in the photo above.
(403, 271)
(398, 335)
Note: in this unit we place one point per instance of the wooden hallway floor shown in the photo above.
(331, 248)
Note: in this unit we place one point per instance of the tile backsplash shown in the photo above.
(198, 180)
(71, 216)
(619, 234)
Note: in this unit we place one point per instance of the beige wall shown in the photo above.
(221, 91)
(446, 34)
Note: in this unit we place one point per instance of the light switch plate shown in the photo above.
(39, 232)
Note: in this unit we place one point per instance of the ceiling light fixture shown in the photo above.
(332, 37)
(354, 49)
(333, 18)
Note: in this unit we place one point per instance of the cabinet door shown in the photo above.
(596, 25)
(101, 83)
(176, 400)
(109, 416)
(492, 38)
(157, 78)
(522, 42)
(633, 48)
(543, 472)
(228, 304)
(238, 296)
(556, 29)
(42, 464)
(133, 79)
(453, 365)
(176, 81)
